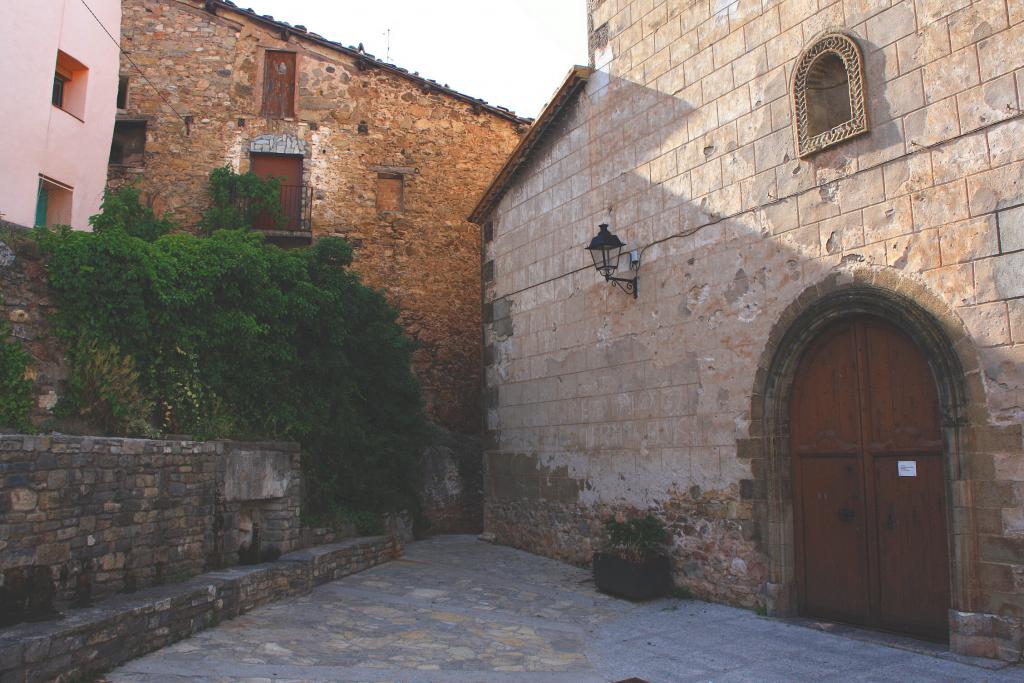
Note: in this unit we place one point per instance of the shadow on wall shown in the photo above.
(733, 229)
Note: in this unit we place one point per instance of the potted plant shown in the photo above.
(632, 563)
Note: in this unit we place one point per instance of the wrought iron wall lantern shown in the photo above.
(606, 249)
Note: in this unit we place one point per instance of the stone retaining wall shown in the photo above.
(104, 515)
(90, 641)
(26, 304)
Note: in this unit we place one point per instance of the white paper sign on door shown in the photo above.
(907, 468)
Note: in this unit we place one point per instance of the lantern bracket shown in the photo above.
(629, 285)
(606, 249)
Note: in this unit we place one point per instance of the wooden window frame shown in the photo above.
(59, 81)
(264, 75)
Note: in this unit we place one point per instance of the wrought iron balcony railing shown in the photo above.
(296, 211)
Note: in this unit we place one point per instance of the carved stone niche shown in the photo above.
(828, 93)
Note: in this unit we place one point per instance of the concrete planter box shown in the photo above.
(631, 580)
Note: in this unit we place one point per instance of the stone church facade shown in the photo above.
(819, 386)
(367, 150)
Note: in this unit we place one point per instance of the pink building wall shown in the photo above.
(40, 138)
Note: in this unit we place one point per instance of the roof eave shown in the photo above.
(371, 61)
(563, 97)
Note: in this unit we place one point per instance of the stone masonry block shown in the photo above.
(1001, 53)
(1011, 229)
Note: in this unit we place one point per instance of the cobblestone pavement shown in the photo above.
(460, 610)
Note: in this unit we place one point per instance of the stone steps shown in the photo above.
(96, 639)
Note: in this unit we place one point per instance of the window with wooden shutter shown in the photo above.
(279, 85)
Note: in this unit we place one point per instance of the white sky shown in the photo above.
(512, 53)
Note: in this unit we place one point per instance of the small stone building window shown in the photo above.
(279, 85)
(122, 93)
(128, 148)
(390, 192)
(828, 93)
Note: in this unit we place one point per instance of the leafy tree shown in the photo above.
(122, 210)
(233, 337)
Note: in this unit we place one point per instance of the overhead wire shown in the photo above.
(715, 220)
(186, 120)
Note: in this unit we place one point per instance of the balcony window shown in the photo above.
(296, 198)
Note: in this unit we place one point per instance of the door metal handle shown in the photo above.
(846, 514)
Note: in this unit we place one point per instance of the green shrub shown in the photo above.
(635, 539)
(236, 200)
(232, 337)
(104, 389)
(123, 210)
(15, 387)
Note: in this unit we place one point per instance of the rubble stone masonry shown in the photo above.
(683, 141)
(355, 119)
(106, 515)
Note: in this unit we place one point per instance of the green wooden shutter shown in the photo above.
(41, 203)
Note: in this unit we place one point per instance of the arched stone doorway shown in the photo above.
(925, 320)
(869, 484)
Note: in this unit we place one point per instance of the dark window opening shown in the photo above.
(828, 94)
(128, 147)
(279, 85)
(58, 90)
(390, 192)
(122, 92)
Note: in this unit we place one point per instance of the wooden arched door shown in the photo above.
(868, 482)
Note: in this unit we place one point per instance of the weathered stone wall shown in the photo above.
(104, 515)
(354, 118)
(27, 306)
(451, 493)
(683, 141)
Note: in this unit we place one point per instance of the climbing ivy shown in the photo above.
(233, 337)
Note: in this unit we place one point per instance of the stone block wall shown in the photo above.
(26, 305)
(683, 141)
(105, 515)
(356, 119)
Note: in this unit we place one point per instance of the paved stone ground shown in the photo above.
(457, 609)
